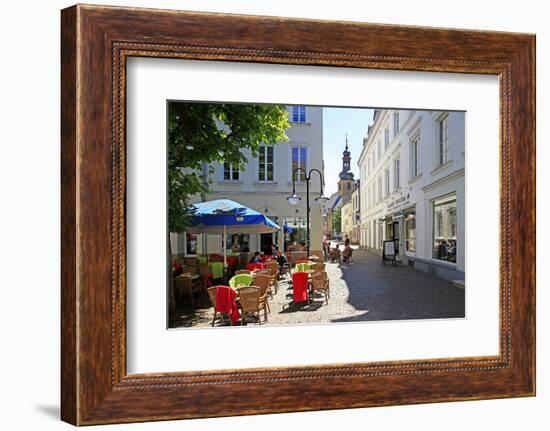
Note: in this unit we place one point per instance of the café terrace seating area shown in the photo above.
(208, 293)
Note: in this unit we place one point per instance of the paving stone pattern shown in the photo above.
(364, 290)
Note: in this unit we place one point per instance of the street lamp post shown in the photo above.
(294, 200)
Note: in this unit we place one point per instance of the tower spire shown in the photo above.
(346, 141)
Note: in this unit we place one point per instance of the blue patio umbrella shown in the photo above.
(223, 216)
(287, 229)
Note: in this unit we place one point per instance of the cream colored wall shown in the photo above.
(347, 222)
(270, 198)
(431, 183)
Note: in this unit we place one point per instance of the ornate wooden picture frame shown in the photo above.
(96, 42)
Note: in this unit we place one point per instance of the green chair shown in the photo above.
(302, 267)
(217, 270)
(240, 280)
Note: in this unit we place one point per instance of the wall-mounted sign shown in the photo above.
(398, 202)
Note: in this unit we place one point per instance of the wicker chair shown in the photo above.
(347, 255)
(263, 281)
(319, 281)
(249, 297)
(273, 267)
(212, 295)
(319, 254)
(272, 280)
(242, 271)
(184, 285)
(191, 261)
(320, 266)
(298, 255)
(189, 269)
(206, 275)
(335, 255)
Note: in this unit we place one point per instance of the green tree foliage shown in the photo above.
(337, 219)
(204, 133)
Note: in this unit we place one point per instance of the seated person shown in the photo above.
(335, 253)
(283, 263)
(347, 253)
(281, 258)
(256, 258)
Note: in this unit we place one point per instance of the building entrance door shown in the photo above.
(396, 232)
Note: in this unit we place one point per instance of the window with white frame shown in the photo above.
(299, 114)
(265, 163)
(299, 160)
(395, 123)
(230, 172)
(386, 182)
(396, 174)
(445, 228)
(379, 149)
(415, 167)
(190, 244)
(379, 189)
(443, 139)
(410, 232)
(386, 138)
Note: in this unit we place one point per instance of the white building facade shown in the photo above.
(265, 183)
(412, 173)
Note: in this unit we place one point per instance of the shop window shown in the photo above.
(444, 229)
(238, 242)
(295, 233)
(190, 244)
(410, 233)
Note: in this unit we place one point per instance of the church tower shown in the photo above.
(346, 180)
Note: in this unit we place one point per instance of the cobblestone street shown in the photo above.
(363, 290)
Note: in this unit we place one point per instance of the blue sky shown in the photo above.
(336, 123)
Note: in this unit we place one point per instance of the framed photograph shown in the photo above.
(266, 215)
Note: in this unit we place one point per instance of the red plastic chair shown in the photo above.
(214, 257)
(299, 287)
(255, 266)
(232, 261)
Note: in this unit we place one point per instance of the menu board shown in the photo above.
(389, 248)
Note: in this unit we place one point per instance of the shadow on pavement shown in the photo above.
(388, 292)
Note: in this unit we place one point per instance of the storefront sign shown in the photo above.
(398, 202)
